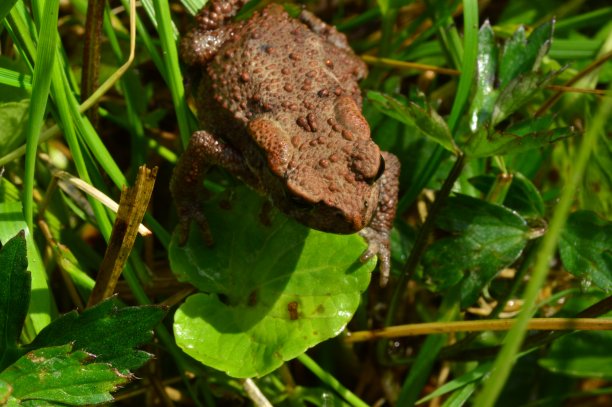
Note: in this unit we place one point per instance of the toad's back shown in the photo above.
(280, 67)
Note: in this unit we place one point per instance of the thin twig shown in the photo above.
(590, 68)
(403, 65)
(96, 194)
(394, 63)
(555, 324)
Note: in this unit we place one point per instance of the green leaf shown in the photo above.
(522, 196)
(429, 122)
(521, 55)
(518, 92)
(539, 44)
(273, 288)
(581, 354)
(42, 305)
(586, 248)
(5, 7)
(485, 93)
(512, 57)
(106, 330)
(518, 79)
(15, 283)
(485, 238)
(531, 125)
(13, 117)
(58, 375)
(461, 396)
(499, 143)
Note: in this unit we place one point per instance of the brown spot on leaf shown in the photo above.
(292, 308)
(252, 299)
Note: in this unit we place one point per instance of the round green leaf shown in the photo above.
(483, 239)
(272, 288)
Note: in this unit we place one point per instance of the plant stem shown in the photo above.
(602, 307)
(429, 328)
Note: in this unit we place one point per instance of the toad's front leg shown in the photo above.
(378, 232)
(204, 150)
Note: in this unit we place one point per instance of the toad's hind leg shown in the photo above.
(378, 232)
(204, 150)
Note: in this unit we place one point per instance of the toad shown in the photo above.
(280, 108)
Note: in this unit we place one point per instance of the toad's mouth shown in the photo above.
(329, 218)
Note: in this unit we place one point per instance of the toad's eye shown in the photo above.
(301, 203)
(381, 170)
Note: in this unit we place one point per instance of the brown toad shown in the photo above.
(280, 107)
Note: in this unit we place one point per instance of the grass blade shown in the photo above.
(167, 38)
(45, 57)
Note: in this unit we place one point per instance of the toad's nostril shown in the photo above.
(381, 169)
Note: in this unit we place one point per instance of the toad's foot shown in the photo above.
(378, 245)
(378, 231)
